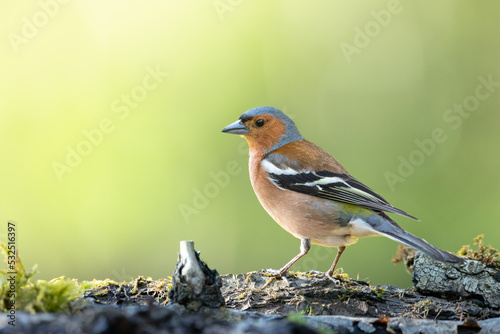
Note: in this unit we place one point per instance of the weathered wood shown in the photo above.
(447, 299)
(473, 281)
(193, 283)
(174, 319)
(314, 294)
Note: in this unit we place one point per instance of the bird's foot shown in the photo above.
(276, 274)
(333, 279)
(271, 272)
(316, 273)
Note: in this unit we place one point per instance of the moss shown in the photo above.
(96, 284)
(35, 296)
(343, 277)
(423, 307)
(345, 294)
(379, 292)
(485, 254)
(296, 318)
(138, 290)
(308, 310)
(406, 255)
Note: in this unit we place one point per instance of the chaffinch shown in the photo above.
(311, 195)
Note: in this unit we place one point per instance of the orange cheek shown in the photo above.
(265, 138)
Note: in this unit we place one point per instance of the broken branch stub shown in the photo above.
(194, 284)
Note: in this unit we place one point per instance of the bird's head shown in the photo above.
(265, 129)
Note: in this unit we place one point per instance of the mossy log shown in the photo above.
(198, 300)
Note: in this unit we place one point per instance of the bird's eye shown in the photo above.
(260, 122)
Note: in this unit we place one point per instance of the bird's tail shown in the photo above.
(420, 244)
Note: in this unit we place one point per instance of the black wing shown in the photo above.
(325, 184)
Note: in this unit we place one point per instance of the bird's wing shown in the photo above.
(325, 184)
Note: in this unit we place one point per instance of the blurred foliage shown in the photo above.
(111, 116)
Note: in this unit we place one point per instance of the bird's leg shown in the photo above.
(337, 257)
(305, 246)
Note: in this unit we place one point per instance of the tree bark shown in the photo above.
(446, 299)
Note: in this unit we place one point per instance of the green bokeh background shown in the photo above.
(117, 214)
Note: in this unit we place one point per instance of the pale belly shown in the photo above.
(344, 236)
(319, 220)
(323, 222)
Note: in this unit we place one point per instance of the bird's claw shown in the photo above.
(324, 274)
(334, 280)
(316, 273)
(271, 272)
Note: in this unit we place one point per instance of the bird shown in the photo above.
(311, 195)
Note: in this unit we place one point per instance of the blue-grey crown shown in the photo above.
(292, 133)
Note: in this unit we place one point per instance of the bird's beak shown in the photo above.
(236, 128)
